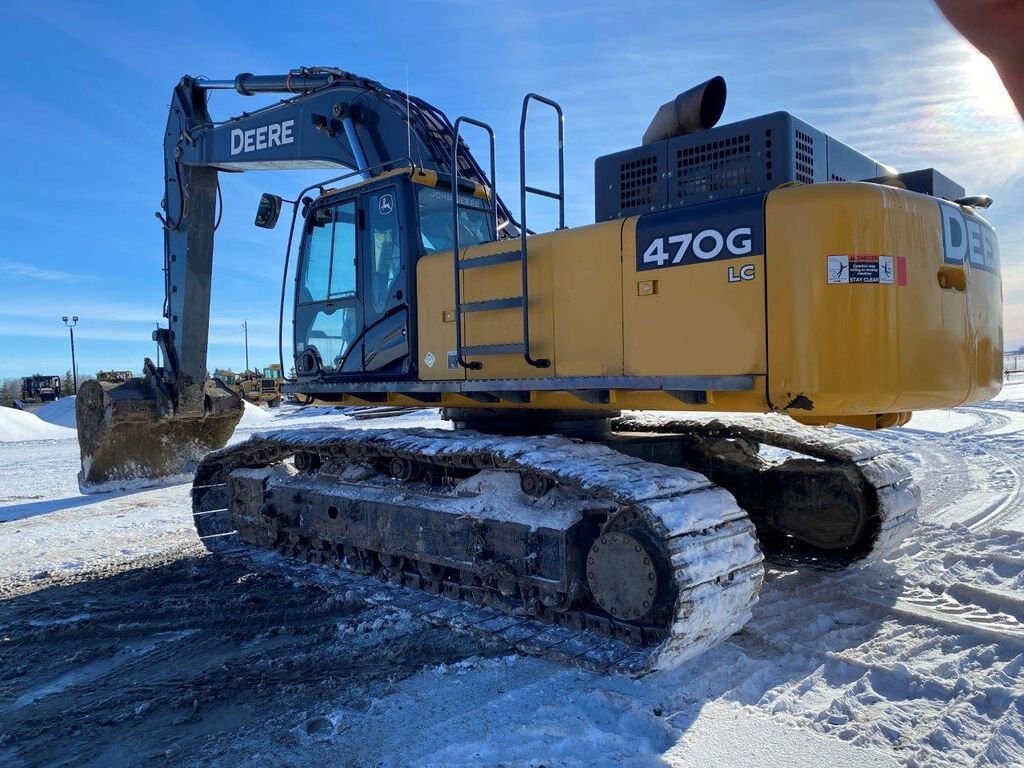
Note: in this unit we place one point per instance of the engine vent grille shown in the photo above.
(749, 157)
(804, 157)
(638, 182)
(713, 166)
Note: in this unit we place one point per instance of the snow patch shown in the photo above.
(21, 426)
(254, 414)
(60, 412)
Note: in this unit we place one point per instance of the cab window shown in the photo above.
(385, 257)
(435, 208)
(329, 254)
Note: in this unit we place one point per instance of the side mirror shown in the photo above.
(268, 212)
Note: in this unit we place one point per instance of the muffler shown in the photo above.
(694, 110)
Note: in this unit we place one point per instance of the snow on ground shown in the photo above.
(916, 661)
(254, 415)
(60, 412)
(22, 426)
(972, 474)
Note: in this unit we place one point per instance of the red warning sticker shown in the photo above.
(871, 268)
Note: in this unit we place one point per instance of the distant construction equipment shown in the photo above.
(255, 386)
(41, 389)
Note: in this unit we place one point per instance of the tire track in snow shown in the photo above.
(855, 669)
(968, 476)
(956, 579)
(1006, 473)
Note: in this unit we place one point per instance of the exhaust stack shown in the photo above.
(694, 110)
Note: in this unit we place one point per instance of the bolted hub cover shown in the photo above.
(622, 575)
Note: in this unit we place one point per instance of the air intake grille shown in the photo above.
(804, 157)
(638, 182)
(713, 166)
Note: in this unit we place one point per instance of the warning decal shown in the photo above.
(867, 268)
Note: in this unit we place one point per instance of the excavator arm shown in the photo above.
(155, 426)
(336, 119)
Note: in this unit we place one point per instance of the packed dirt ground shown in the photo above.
(165, 657)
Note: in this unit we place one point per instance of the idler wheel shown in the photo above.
(534, 485)
(404, 469)
(622, 571)
(307, 461)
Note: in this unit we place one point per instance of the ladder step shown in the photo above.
(480, 350)
(544, 193)
(507, 257)
(513, 302)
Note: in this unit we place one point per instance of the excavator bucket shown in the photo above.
(129, 435)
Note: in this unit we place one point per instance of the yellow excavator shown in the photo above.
(638, 405)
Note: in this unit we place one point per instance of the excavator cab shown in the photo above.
(355, 279)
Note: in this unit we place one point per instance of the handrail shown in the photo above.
(456, 206)
(524, 188)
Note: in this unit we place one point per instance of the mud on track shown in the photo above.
(177, 660)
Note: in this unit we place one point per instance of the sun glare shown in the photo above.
(987, 98)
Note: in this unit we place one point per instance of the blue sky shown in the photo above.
(86, 88)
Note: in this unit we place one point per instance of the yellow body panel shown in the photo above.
(506, 325)
(435, 316)
(575, 306)
(588, 316)
(848, 349)
(863, 354)
(691, 320)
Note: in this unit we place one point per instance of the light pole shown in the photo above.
(245, 328)
(71, 329)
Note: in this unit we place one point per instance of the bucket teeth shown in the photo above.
(128, 436)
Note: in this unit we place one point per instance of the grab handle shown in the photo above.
(952, 278)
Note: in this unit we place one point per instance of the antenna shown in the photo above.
(408, 119)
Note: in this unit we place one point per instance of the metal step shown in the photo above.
(488, 305)
(543, 192)
(481, 350)
(507, 257)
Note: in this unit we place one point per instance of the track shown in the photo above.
(873, 478)
(709, 544)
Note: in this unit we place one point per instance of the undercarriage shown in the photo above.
(614, 552)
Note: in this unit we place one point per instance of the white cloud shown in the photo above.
(21, 269)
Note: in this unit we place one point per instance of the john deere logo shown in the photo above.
(386, 204)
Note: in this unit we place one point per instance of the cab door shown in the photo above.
(385, 285)
(328, 310)
(351, 309)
